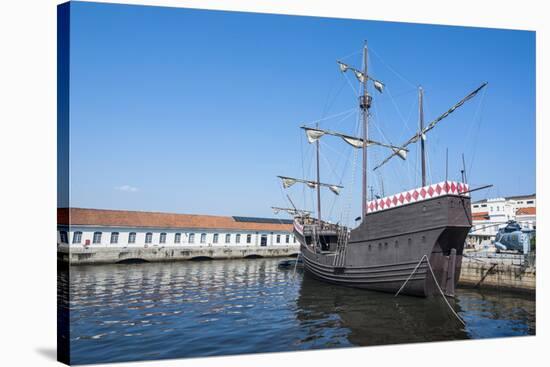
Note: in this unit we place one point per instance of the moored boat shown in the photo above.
(411, 241)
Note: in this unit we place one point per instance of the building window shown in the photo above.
(114, 237)
(132, 237)
(177, 238)
(63, 237)
(238, 238)
(227, 238)
(191, 238)
(148, 237)
(97, 237)
(215, 240)
(77, 237)
(263, 240)
(203, 237)
(484, 205)
(287, 238)
(248, 238)
(530, 202)
(294, 238)
(278, 238)
(476, 206)
(162, 237)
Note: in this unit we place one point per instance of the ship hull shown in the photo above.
(386, 248)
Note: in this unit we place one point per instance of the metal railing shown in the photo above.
(522, 260)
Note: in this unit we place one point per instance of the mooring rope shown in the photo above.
(410, 276)
(436, 283)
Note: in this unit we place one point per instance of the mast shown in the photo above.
(364, 103)
(318, 183)
(421, 121)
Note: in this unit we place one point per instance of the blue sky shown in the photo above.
(197, 111)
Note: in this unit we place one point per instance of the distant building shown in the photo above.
(488, 214)
(96, 228)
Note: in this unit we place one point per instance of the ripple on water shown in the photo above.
(149, 311)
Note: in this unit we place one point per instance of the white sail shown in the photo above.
(335, 189)
(311, 185)
(313, 135)
(343, 67)
(379, 86)
(287, 182)
(354, 142)
(360, 76)
(401, 153)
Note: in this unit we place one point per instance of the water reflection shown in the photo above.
(171, 310)
(373, 318)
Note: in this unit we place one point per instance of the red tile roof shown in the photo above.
(125, 218)
(531, 210)
(480, 216)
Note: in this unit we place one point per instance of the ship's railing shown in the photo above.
(322, 226)
(523, 260)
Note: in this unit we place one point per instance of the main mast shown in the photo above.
(364, 103)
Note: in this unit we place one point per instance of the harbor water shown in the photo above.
(191, 309)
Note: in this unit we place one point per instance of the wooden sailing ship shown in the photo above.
(396, 232)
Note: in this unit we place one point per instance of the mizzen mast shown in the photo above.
(318, 186)
(423, 136)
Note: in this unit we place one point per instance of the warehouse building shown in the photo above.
(96, 231)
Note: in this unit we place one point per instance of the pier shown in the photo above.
(83, 256)
(511, 272)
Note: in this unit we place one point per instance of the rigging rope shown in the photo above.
(331, 116)
(436, 283)
(476, 138)
(392, 69)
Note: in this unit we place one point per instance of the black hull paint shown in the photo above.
(385, 249)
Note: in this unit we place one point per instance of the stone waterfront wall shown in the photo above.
(95, 255)
(498, 272)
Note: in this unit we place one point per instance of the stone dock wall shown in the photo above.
(113, 255)
(499, 271)
(495, 271)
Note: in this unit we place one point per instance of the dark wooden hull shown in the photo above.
(385, 249)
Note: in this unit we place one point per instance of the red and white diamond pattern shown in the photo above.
(418, 194)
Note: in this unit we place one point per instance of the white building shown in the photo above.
(95, 228)
(489, 214)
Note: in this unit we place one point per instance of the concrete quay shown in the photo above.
(498, 271)
(113, 255)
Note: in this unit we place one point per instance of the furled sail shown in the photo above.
(313, 135)
(291, 211)
(379, 86)
(335, 189)
(352, 140)
(361, 77)
(289, 181)
(431, 125)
